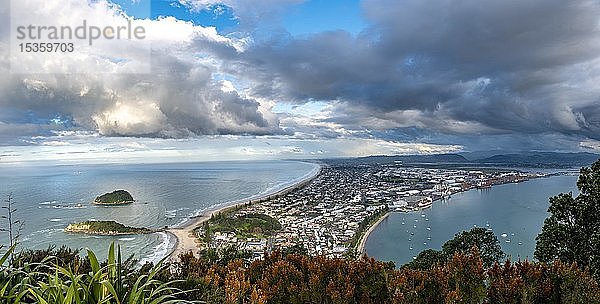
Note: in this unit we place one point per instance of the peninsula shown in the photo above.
(118, 197)
(333, 213)
(104, 228)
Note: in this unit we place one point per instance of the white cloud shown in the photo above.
(590, 145)
(55, 143)
(206, 148)
(566, 118)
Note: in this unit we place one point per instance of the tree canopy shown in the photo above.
(572, 231)
(485, 241)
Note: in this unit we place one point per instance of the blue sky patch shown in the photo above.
(306, 18)
(219, 16)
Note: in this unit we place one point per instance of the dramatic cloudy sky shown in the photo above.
(235, 79)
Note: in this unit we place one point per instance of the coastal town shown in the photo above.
(331, 214)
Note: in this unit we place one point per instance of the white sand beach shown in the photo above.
(186, 239)
(365, 236)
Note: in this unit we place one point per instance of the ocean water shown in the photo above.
(47, 198)
(514, 212)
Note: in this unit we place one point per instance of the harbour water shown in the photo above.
(514, 212)
(48, 198)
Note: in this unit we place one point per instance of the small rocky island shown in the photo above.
(105, 228)
(119, 197)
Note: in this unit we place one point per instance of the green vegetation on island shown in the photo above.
(117, 197)
(104, 228)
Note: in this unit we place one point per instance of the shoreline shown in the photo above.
(363, 241)
(185, 239)
(112, 204)
(360, 250)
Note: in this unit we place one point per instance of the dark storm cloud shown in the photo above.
(457, 66)
(503, 143)
(452, 70)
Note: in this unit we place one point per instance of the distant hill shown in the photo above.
(476, 155)
(542, 159)
(415, 159)
(490, 158)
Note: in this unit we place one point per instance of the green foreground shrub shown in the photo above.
(35, 278)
